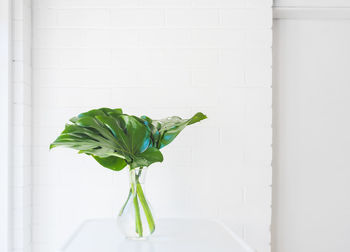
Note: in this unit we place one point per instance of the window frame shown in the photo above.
(5, 97)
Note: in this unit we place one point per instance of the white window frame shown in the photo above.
(5, 78)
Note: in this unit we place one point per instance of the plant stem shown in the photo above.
(137, 194)
(146, 208)
(138, 221)
(126, 202)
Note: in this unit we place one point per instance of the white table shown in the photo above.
(172, 235)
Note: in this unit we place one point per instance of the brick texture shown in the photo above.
(159, 58)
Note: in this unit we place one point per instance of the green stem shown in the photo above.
(126, 202)
(137, 213)
(136, 192)
(146, 208)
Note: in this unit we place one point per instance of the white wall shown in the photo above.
(311, 206)
(157, 58)
(312, 3)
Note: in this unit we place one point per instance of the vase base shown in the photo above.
(137, 238)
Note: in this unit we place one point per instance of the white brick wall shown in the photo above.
(21, 126)
(159, 58)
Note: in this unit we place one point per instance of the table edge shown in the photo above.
(217, 221)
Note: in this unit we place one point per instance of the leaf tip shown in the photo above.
(73, 119)
(199, 116)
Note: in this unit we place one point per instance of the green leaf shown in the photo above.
(115, 139)
(96, 112)
(113, 163)
(150, 156)
(197, 118)
(112, 138)
(74, 142)
(170, 127)
(155, 134)
(137, 132)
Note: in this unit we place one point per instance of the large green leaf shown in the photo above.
(168, 128)
(115, 139)
(112, 138)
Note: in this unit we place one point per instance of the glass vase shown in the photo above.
(135, 218)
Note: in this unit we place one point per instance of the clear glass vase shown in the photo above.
(135, 218)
